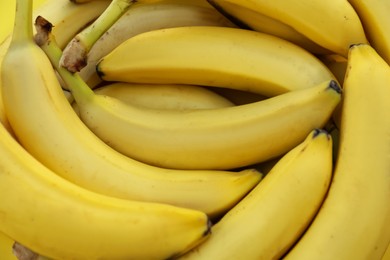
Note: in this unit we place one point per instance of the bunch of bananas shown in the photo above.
(203, 129)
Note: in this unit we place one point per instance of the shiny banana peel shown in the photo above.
(236, 136)
(76, 51)
(251, 19)
(60, 220)
(146, 16)
(214, 56)
(333, 25)
(353, 222)
(40, 114)
(167, 97)
(272, 217)
(374, 15)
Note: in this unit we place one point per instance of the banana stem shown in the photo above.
(74, 57)
(23, 30)
(46, 40)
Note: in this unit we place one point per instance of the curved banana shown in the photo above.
(353, 222)
(60, 220)
(375, 17)
(169, 97)
(247, 18)
(62, 13)
(236, 136)
(76, 51)
(272, 217)
(334, 25)
(146, 16)
(40, 114)
(214, 56)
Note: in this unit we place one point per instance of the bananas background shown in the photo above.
(204, 129)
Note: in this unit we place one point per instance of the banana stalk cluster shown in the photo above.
(204, 129)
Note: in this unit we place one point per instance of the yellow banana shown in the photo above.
(60, 220)
(272, 217)
(334, 25)
(235, 136)
(146, 16)
(386, 256)
(170, 97)
(69, 18)
(375, 17)
(214, 56)
(353, 222)
(76, 51)
(247, 18)
(62, 13)
(6, 246)
(40, 114)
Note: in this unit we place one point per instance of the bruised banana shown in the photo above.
(277, 212)
(146, 16)
(334, 25)
(353, 222)
(60, 220)
(235, 136)
(167, 97)
(62, 13)
(375, 17)
(214, 56)
(247, 18)
(39, 113)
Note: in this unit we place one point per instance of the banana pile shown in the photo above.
(203, 129)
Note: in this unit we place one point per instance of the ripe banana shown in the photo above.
(248, 18)
(235, 136)
(146, 16)
(214, 56)
(6, 247)
(75, 53)
(167, 97)
(60, 220)
(334, 25)
(353, 222)
(48, 128)
(272, 217)
(62, 13)
(375, 17)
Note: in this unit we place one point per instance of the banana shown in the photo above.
(374, 15)
(146, 16)
(214, 56)
(69, 18)
(272, 217)
(75, 52)
(353, 222)
(170, 97)
(334, 25)
(6, 247)
(250, 19)
(62, 13)
(386, 255)
(60, 220)
(235, 136)
(46, 125)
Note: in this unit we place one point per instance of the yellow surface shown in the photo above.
(7, 14)
(6, 248)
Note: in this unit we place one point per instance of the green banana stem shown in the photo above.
(23, 30)
(46, 40)
(75, 54)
